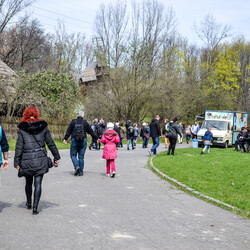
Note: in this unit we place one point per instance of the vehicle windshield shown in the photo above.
(220, 125)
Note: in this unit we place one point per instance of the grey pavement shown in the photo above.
(135, 210)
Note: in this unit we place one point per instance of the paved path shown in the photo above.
(136, 210)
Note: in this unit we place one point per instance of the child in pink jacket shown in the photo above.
(110, 138)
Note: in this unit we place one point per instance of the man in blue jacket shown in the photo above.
(4, 148)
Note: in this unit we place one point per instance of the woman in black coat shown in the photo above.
(30, 154)
(172, 135)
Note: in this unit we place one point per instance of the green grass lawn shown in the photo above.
(224, 174)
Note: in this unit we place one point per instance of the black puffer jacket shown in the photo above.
(30, 152)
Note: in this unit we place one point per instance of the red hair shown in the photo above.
(30, 114)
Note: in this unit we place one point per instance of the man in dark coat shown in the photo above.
(4, 148)
(155, 133)
(78, 146)
(172, 135)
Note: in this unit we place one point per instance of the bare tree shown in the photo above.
(10, 9)
(212, 33)
(25, 46)
(132, 49)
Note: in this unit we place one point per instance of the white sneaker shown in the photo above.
(108, 175)
(149, 151)
(113, 175)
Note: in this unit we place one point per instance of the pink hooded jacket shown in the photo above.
(110, 138)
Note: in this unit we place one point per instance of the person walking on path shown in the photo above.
(4, 148)
(145, 134)
(188, 132)
(136, 134)
(195, 129)
(101, 129)
(110, 139)
(130, 134)
(165, 132)
(77, 130)
(208, 137)
(30, 154)
(173, 131)
(94, 127)
(180, 129)
(121, 134)
(155, 133)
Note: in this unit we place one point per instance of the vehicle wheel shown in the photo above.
(226, 144)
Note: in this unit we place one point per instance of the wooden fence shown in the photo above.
(57, 130)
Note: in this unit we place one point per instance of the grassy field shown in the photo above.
(223, 174)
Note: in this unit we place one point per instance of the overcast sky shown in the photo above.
(235, 13)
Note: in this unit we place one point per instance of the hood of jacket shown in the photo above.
(207, 133)
(110, 134)
(33, 127)
(171, 123)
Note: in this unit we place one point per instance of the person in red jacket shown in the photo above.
(110, 138)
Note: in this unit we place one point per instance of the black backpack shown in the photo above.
(79, 131)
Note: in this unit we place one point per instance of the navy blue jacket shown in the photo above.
(208, 136)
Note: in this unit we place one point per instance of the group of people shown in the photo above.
(243, 140)
(33, 135)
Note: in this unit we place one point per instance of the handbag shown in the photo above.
(50, 162)
(147, 136)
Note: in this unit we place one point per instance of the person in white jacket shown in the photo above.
(195, 129)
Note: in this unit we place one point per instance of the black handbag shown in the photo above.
(49, 160)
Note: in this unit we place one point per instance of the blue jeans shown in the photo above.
(156, 143)
(188, 137)
(78, 148)
(132, 142)
(120, 143)
(145, 142)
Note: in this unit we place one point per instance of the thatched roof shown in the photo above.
(6, 70)
(7, 80)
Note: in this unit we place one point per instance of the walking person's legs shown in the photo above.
(108, 166)
(73, 155)
(28, 191)
(173, 143)
(132, 142)
(37, 192)
(112, 162)
(81, 152)
(128, 144)
(156, 142)
(166, 142)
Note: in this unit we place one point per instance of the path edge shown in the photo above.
(194, 192)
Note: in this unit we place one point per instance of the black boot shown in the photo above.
(28, 205)
(35, 212)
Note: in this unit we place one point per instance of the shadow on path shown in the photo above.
(4, 205)
(42, 205)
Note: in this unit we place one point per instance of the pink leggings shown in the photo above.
(112, 163)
